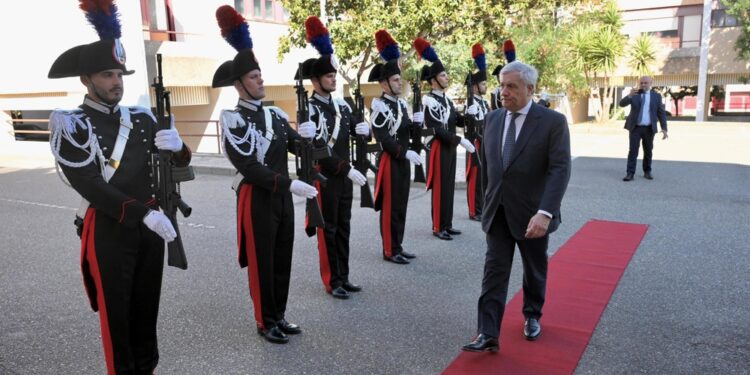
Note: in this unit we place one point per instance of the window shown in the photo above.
(262, 10)
(720, 18)
(158, 20)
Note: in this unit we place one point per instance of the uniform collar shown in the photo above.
(322, 98)
(438, 93)
(390, 97)
(478, 97)
(103, 108)
(252, 105)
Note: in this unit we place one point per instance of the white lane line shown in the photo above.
(39, 204)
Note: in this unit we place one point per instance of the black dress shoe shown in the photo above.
(349, 287)
(452, 231)
(628, 177)
(532, 329)
(443, 235)
(340, 293)
(407, 255)
(476, 217)
(398, 259)
(648, 175)
(274, 335)
(288, 328)
(482, 343)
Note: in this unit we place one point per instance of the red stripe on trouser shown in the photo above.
(325, 267)
(385, 215)
(88, 249)
(471, 190)
(246, 214)
(435, 183)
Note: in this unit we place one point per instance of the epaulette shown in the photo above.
(279, 112)
(378, 106)
(141, 109)
(430, 102)
(67, 119)
(232, 119)
(341, 102)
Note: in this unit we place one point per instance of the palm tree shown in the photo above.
(642, 55)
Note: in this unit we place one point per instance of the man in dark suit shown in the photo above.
(646, 108)
(526, 159)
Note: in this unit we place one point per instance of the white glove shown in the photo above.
(465, 143)
(473, 109)
(160, 224)
(418, 117)
(302, 189)
(362, 129)
(357, 177)
(306, 129)
(414, 157)
(168, 139)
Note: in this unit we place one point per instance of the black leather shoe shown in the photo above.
(482, 343)
(274, 335)
(628, 177)
(532, 329)
(476, 217)
(288, 328)
(452, 231)
(443, 235)
(349, 287)
(398, 259)
(340, 293)
(648, 175)
(407, 255)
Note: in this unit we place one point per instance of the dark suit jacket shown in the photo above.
(538, 174)
(655, 111)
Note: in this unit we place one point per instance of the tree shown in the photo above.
(596, 47)
(642, 55)
(740, 9)
(451, 26)
(678, 93)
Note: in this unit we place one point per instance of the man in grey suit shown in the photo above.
(641, 124)
(526, 159)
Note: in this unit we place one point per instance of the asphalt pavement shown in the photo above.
(680, 308)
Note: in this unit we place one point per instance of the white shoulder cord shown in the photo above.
(232, 120)
(63, 125)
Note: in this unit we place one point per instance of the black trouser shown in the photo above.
(333, 241)
(645, 135)
(393, 198)
(498, 261)
(267, 240)
(443, 172)
(123, 272)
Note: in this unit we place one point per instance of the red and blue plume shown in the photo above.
(234, 28)
(425, 50)
(318, 36)
(102, 14)
(387, 46)
(509, 49)
(477, 53)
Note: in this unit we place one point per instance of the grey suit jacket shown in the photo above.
(538, 174)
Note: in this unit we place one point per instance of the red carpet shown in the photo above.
(582, 276)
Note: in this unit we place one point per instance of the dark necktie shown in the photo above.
(643, 108)
(510, 140)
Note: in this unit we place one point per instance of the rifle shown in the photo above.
(469, 122)
(415, 132)
(167, 176)
(306, 154)
(360, 149)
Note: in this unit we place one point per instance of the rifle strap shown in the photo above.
(337, 125)
(122, 139)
